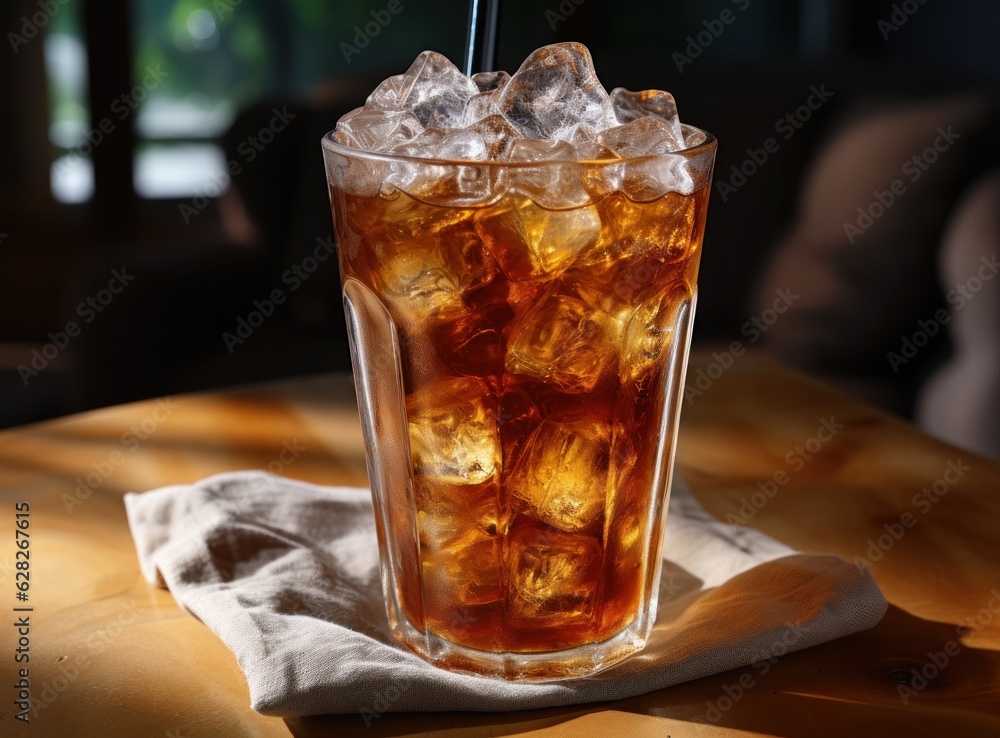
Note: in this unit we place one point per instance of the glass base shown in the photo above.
(545, 666)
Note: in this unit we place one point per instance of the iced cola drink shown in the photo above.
(519, 258)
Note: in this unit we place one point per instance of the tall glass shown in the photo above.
(519, 334)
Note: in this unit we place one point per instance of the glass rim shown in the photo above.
(329, 144)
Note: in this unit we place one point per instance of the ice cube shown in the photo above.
(541, 151)
(436, 91)
(425, 145)
(415, 177)
(519, 416)
(486, 103)
(417, 282)
(642, 247)
(478, 107)
(522, 295)
(463, 146)
(649, 232)
(354, 175)
(582, 133)
(424, 277)
(498, 134)
(460, 532)
(561, 341)
(649, 178)
(460, 529)
(406, 218)
(554, 576)
(454, 144)
(562, 475)
(550, 176)
(591, 149)
(490, 300)
(464, 573)
(490, 81)
(555, 89)
(650, 332)
(447, 184)
(630, 106)
(377, 130)
(599, 180)
(449, 514)
(415, 277)
(658, 171)
(693, 137)
(596, 289)
(530, 241)
(626, 540)
(642, 137)
(470, 345)
(388, 95)
(453, 432)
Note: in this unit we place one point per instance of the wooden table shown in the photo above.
(113, 656)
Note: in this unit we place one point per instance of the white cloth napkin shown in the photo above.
(286, 574)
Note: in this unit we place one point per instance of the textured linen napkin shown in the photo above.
(286, 574)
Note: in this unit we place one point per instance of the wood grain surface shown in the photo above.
(113, 656)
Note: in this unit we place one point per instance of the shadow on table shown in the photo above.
(905, 675)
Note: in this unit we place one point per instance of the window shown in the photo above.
(196, 63)
(206, 59)
(71, 176)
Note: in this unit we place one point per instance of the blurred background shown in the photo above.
(161, 175)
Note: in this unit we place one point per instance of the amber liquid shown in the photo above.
(534, 348)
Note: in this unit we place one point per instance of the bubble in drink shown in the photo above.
(535, 267)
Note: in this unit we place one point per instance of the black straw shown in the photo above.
(484, 23)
